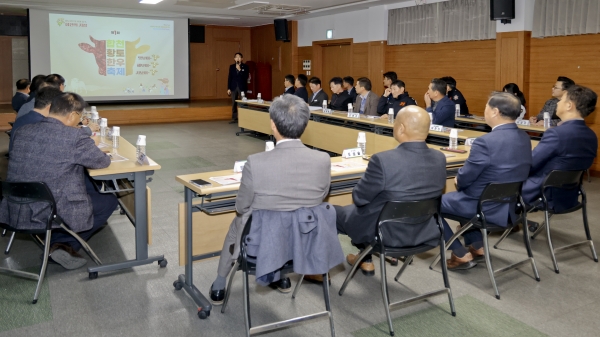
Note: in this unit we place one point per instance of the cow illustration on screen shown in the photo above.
(115, 57)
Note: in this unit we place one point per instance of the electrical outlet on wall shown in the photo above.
(306, 65)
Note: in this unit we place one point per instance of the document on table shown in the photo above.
(345, 165)
(315, 108)
(228, 180)
(103, 145)
(115, 157)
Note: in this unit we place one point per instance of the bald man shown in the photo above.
(412, 171)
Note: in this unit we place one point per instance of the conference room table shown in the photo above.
(126, 178)
(478, 123)
(207, 212)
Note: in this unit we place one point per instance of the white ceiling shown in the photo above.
(213, 12)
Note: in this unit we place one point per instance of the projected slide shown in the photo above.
(104, 56)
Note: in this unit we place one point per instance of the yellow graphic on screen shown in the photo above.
(115, 57)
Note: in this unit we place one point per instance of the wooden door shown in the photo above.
(337, 62)
(225, 51)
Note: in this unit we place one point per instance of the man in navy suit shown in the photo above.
(340, 97)
(443, 111)
(237, 82)
(501, 156)
(288, 83)
(571, 146)
(21, 95)
(301, 87)
(318, 94)
(349, 87)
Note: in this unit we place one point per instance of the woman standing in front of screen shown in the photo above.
(237, 83)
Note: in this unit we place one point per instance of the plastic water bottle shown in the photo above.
(140, 146)
(116, 132)
(244, 99)
(362, 142)
(350, 109)
(546, 120)
(103, 126)
(391, 116)
(457, 110)
(95, 117)
(453, 139)
(324, 105)
(258, 98)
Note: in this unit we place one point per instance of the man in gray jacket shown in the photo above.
(412, 171)
(55, 151)
(287, 178)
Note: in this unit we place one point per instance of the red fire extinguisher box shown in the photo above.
(263, 81)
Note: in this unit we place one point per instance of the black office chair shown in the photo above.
(507, 193)
(391, 214)
(564, 180)
(27, 193)
(247, 265)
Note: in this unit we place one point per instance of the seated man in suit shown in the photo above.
(41, 110)
(395, 98)
(318, 95)
(28, 105)
(287, 178)
(455, 95)
(57, 153)
(558, 90)
(301, 87)
(366, 101)
(571, 146)
(443, 111)
(349, 87)
(21, 95)
(396, 174)
(340, 98)
(501, 156)
(288, 83)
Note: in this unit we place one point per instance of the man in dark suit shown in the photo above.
(501, 156)
(21, 95)
(349, 87)
(366, 102)
(237, 82)
(455, 95)
(412, 171)
(301, 87)
(57, 153)
(571, 146)
(318, 95)
(288, 83)
(54, 80)
(290, 177)
(395, 97)
(443, 111)
(340, 97)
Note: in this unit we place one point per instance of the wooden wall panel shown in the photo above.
(513, 60)
(6, 71)
(337, 60)
(304, 53)
(360, 60)
(471, 63)
(377, 65)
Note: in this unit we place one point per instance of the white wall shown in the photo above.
(523, 18)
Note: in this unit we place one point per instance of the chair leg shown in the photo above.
(589, 178)
(447, 279)
(504, 235)
(385, 294)
(44, 266)
(84, 244)
(228, 289)
(10, 242)
(246, 304)
(587, 232)
(327, 301)
(550, 246)
(297, 287)
(488, 261)
(530, 252)
(4, 232)
(354, 267)
(454, 237)
(407, 261)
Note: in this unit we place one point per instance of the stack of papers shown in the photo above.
(346, 165)
(228, 180)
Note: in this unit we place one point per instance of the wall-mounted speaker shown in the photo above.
(14, 25)
(502, 9)
(281, 30)
(197, 34)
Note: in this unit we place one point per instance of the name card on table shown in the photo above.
(435, 127)
(353, 114)
(352, 153)
(469, 141)
(523, 122)
(238, 167)
(142, 159)
(327, 111)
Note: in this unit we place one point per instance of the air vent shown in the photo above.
(265, 8)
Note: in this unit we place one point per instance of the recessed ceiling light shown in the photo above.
(151, 2)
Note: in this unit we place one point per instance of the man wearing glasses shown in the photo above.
(558, 90)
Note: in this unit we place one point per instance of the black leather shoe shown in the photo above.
(284, 285)
(533, 226)
(217, 296)
(233, 121)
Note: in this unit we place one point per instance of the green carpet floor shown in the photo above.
(473, 318)
(16, 309)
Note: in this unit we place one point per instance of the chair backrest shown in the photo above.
(567, 180)
(504, 193)
(27, 193)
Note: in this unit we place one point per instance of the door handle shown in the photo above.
(217, 69)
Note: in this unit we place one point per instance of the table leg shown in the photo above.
(185, 281)
(141, 233)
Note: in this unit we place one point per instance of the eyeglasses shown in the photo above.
(80, 113)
